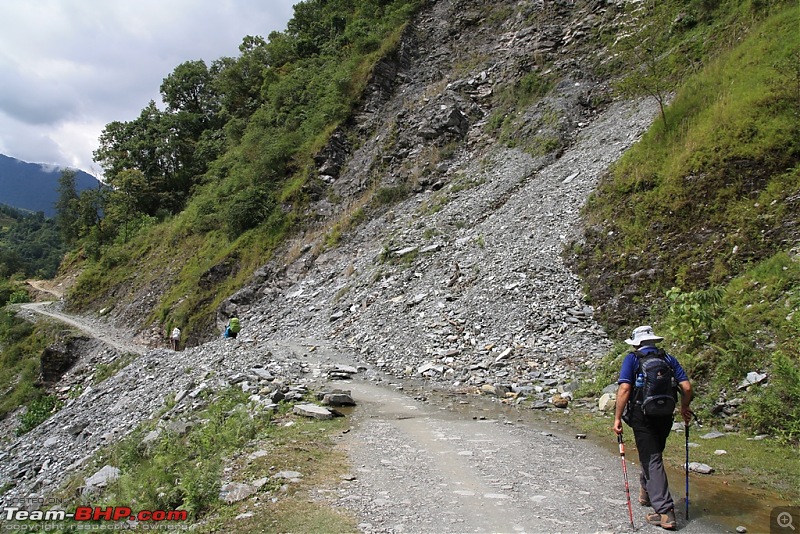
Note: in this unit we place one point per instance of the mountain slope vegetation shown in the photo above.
(30, 244)
(696, 226)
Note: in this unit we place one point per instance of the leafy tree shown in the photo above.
(239, 82)
(31, 245)
(10, 263)
(67, 217)
(129, 200)
(137, 144)
(193, 108)
(189, 89)
(282, 49)
(656, 65)
(91, 206)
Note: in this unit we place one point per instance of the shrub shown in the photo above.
(247, 210)
(391, 195)
(19, 297)
(775, 408)
(694, 314)
(38, 411)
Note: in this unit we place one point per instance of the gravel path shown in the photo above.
(93, 328)
(427, 462)
(422, 460)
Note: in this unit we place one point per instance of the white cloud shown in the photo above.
(69, 67)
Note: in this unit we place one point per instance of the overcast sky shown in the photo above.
(69, 67)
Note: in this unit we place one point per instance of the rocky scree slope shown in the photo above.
(463, 281)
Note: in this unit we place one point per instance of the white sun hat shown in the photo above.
(641, 334)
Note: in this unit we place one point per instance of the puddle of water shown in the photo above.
(731, 504)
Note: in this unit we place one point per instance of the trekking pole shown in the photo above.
(625, 476)
(686, 429)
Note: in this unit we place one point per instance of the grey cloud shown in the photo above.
(32, 99)
(28, 143)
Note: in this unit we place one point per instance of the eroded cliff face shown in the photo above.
(447, 97)
(428, 106)
(454, 207)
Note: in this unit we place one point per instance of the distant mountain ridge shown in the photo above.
(34, 186)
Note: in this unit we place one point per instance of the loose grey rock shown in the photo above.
(607, 402)
(102, 477)
(288, 475)
(338, 398)
(312, 410)
(701, 468)
(235, 491)
(752, 378)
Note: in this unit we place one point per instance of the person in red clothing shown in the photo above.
(650, 431)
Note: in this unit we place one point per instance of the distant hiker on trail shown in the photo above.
(175, 338)
(232, 330)
(646, 400)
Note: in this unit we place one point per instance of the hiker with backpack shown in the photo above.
(233, 327)
(649, 380)
(175, 338)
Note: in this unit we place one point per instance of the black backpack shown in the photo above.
(657, 394)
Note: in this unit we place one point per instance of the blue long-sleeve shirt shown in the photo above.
(630, 366)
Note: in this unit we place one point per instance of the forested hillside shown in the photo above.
(30, 244)
(696, 227)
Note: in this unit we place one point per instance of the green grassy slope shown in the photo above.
(697, 228)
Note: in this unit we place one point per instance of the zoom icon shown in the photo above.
(785, 520)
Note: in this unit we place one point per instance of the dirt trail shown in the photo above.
(96, 329)
(46, 286)
(430, 462)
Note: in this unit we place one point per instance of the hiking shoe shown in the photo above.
(644, 498)
(666, 521)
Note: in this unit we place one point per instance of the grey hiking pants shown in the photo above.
(651, 438)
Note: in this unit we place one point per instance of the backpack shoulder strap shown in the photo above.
(658, 353)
